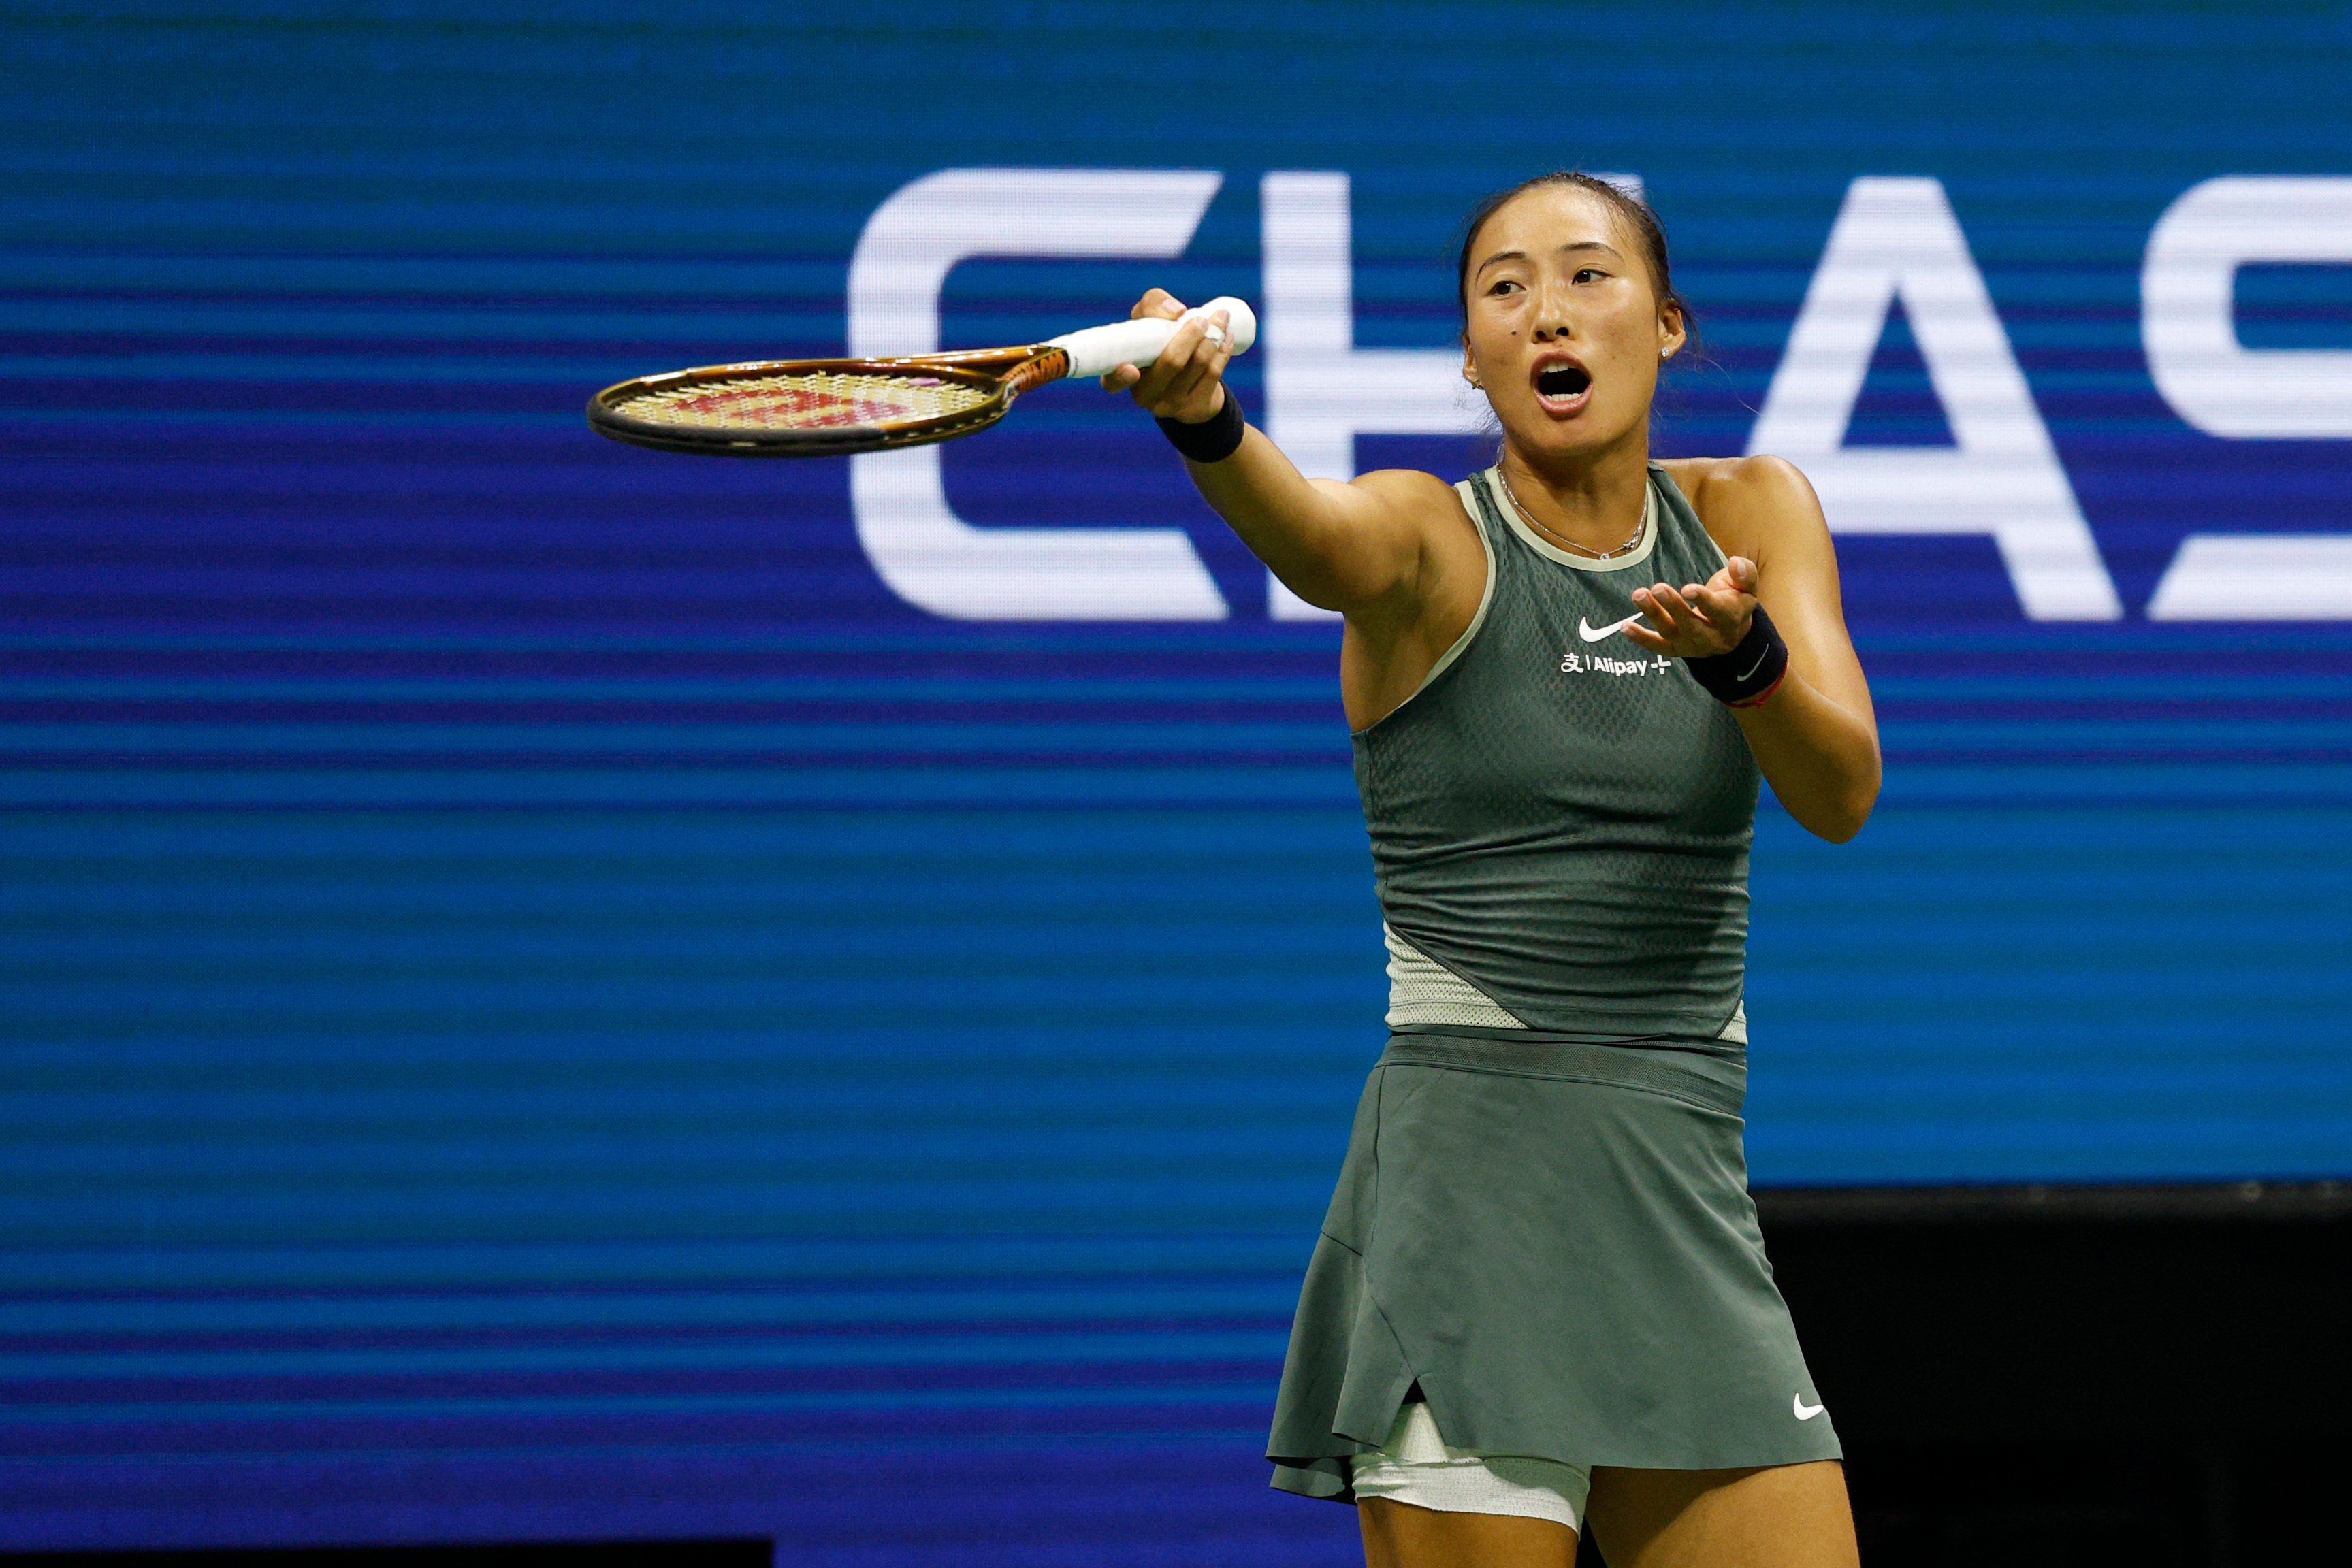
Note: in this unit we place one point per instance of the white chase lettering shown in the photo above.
(1894, 238)
(2188, 287)
(1898, 237)
(925, 553)
(2187, 302)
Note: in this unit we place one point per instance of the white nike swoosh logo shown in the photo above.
(1805, 1411)
(1584, 628)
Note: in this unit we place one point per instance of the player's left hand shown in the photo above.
(1696, 620)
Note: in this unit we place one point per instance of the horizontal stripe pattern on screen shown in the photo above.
(547, 1002)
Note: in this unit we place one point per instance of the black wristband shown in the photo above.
(1212, 440)
(1749, 673)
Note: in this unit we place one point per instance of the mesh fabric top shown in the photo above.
(1562, 818)
(821, 400)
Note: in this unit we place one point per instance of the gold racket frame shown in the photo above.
(1002, 373)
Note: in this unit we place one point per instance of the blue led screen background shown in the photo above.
(555, 990)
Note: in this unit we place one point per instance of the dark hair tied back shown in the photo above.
(1635, 212)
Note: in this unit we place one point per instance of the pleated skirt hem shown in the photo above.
(1556, 1241)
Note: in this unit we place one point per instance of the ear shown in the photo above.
(1469, 366)
(1673, 331)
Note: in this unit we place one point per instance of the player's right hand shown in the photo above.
(1187, 382)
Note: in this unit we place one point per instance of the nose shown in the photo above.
(1551, 318)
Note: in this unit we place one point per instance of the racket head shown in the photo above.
(801, 408)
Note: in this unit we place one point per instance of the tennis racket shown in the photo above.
(822, 408)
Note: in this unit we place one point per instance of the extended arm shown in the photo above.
(1816, 737)
(1357, 547)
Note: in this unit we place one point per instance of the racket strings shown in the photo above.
(816, 401)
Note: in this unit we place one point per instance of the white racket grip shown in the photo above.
(1099, 351)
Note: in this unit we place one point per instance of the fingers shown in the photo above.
(1668, 611)
(1184, 382)
(1697, 621)
(1157, 302)
(1641, 636)
(1713, 605)
(1729, 597)
(1726, 608)
(1691, 622)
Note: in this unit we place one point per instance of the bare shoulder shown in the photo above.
(1424, 504)
(1408, 489)
(1750, 504)
(1738, 485)
(1429, 524)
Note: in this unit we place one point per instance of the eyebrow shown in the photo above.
(1574, 245)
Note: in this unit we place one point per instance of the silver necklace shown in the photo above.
(1640, 527)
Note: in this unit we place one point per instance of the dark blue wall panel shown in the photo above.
(542, 1000)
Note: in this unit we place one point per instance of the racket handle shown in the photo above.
(1099, 351)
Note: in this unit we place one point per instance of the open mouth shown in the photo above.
(1562, 381)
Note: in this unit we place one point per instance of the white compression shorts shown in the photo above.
(1416, 1468)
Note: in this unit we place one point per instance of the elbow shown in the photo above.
(1841, 819)
(1839, 829)
(1837, 810)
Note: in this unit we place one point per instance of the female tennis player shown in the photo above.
(1540, 1295)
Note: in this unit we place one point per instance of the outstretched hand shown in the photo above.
(1697, 621)
(1187, 381)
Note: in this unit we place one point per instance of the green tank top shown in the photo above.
(1558, 817)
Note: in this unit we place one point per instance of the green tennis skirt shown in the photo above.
(1555, 1241)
